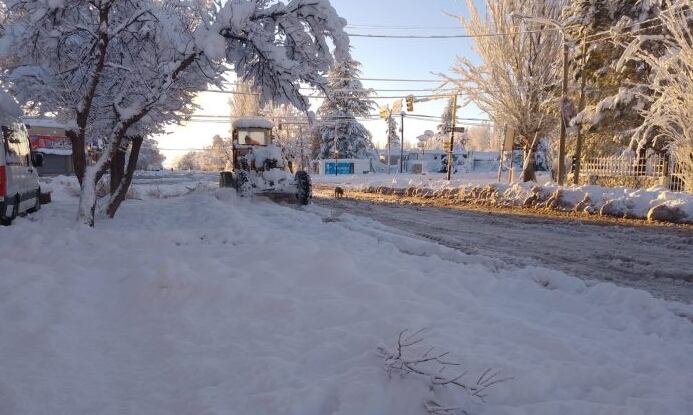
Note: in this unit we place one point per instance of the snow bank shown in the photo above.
(145, 185)
(655, 204)
(209, 304)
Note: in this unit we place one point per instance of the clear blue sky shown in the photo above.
(380, 58)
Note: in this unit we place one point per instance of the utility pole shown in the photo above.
(389, 143)
(581, 106)
(564, 93)
(401, 151)
(452, 134)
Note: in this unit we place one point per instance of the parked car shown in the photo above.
(19, 186)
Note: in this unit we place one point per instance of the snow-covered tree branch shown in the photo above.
(118, 69)
(668, 116)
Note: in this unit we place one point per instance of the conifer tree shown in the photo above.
(338, 128)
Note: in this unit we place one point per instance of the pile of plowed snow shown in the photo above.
(210, 304)
(654, 204)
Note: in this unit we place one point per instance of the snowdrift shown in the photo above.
(209, 304)
(654, 204)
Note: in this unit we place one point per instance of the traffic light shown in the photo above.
(384, 112)
(410, 103)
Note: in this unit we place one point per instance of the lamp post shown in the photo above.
(564, 90)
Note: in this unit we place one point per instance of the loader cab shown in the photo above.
(252, 136)
(249, 135)
(252, 131)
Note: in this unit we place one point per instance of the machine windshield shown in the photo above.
(257, 137)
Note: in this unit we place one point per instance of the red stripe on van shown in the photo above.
(3, 182)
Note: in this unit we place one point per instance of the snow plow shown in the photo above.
(258, 167)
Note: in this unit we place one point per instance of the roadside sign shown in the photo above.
(341, 168)
(458, 130)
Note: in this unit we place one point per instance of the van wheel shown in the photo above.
(15, 213)
(37, 206)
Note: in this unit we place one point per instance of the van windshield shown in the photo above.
(16, 146)
(257, 137)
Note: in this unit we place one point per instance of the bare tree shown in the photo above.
(515, 81)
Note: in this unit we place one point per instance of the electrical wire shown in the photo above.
(465, 36)
(374, 26)
(323, 96)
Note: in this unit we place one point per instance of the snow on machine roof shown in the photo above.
(253, 122)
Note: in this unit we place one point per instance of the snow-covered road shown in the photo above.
(655, 258)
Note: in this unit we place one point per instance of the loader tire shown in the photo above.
(304, 188)
(244, 187)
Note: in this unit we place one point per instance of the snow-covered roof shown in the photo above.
(43, 122)
(253, 122)
(54, 151)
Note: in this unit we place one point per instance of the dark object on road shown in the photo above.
(258, 167)
(338, 192)
(45, 198)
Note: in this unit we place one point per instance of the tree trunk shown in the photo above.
(121, 192)
(528, 173)
(79, 158)
(92, 176)
(117, 170)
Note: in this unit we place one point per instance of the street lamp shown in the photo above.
(564, 90)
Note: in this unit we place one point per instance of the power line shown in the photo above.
(443, 90)
(465, 36)
(374, 26)
(323, 96)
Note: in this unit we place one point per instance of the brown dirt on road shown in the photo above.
(325, 192)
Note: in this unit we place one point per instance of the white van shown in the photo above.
(19, 185)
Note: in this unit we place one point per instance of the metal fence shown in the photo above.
(653, 167)
(676, 181)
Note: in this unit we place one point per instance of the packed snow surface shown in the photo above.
(211, 304)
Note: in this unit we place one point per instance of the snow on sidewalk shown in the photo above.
(656, 203)
(208, 304)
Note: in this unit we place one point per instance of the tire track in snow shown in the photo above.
(656, 259)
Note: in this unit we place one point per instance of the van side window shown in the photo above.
(16, 148)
